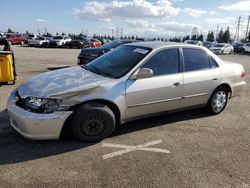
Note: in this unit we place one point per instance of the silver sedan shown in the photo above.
(130, 82)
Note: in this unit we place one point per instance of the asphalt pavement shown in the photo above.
(184, 149)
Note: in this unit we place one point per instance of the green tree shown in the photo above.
(10, 31)
(220, 36)
(28, 33)
(226, 36)
(47, 34)
(194, 37)
(200, 37)
(210, 36)
(248, 37)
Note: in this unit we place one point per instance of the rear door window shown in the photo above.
(195, 59)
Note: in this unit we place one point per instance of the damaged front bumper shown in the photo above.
(35, 126)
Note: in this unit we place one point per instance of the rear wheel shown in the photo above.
(92, 122)
(217, 101)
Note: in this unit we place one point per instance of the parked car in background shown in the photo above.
(2, 35)
(130, 82)
(88, 54)
(246, 48)
(16, 39)
(29, 37)
(39, 41)
(208, 44)
(194, 42)
(94, 43)
(222, 48)
(77, 43)
(59, 41)
(238, 47)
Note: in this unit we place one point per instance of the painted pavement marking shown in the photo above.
(128, 148)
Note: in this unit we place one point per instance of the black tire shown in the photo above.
(215, 105)
(92, 122)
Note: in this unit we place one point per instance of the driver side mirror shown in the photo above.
(143, 73)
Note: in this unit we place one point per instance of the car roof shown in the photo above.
(159, 44)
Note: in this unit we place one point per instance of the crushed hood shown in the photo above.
(63, 82)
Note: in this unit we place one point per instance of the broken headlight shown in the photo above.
(43, 105)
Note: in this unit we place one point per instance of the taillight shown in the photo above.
(243, 75)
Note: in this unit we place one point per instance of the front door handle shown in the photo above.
(176, 84)
(215, 79)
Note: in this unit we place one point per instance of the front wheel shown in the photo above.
(92, 122)
(218, 101)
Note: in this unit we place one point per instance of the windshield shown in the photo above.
(219, 45)
(118, 62)
(112, 44)
(58, 37)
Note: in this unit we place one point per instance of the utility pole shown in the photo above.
(217, 33)
(237, 32)
(113, 32)
(247, 26)
(121, 32)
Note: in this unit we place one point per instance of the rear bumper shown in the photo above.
(237, 88)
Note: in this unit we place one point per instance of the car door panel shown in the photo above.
(159, 93)
(200, 77)
(199, 85)
(153, 95)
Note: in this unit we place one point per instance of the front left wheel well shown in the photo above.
(113, 107)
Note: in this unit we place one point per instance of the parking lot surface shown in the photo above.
(184, 149)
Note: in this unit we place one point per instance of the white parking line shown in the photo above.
(127, 148)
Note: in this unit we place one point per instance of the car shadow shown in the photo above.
(56, 68)
(16, 149)
(161, 120)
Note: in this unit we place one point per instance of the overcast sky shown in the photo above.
(137, 17)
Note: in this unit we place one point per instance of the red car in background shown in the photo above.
(94, 43)
(16, 39)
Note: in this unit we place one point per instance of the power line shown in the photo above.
(237, 32)
(247, 26)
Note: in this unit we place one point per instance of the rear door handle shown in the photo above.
(215, 79)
